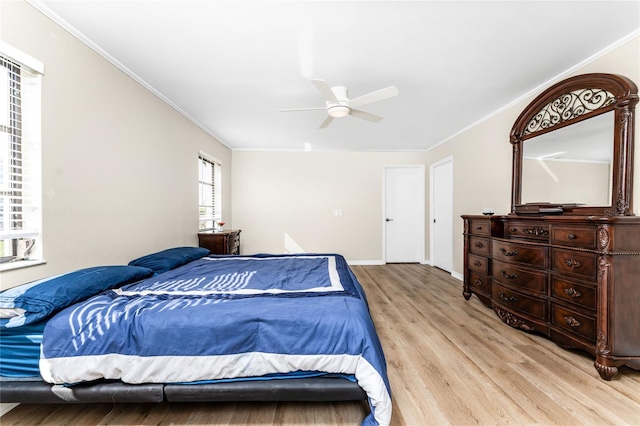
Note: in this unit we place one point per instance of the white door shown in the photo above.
(442, 214)
(404, 214)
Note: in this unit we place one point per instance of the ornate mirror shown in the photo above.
(573, 149)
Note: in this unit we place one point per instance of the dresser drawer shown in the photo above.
(531, 256)
(576, 323)
(480, 227)
(527, 304)
(478, 264)
(529, 230)
(234, 243)
(479, 282)
(515, 276)
(575, 236)
(479, 246)
(574, 292)
(574, 262)
(223, 242)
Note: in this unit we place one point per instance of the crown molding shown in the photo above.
(84, 39)
(533, 92)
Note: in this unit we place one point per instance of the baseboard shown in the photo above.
(457, 276)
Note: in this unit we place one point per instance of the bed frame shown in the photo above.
(320, 389)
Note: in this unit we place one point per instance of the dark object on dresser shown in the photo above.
(568, 271)
(223, 242)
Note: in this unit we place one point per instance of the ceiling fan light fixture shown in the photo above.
(339, 111)
(338, 104)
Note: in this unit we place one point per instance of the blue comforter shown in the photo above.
(224, 317)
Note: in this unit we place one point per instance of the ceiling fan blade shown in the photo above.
(303, 109)
(326, 122)
(378, 95)
(326, 91)
(365, 115)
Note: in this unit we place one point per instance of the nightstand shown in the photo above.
(222, 242)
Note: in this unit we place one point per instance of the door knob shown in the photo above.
(388, 220)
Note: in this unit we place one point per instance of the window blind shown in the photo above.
(209, 192)
(19, 198)
(11, 165)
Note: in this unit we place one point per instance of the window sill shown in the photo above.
(9, 266)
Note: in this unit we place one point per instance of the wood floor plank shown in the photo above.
(199, 413)
(127, 414)
(157, 414)
(450, 362)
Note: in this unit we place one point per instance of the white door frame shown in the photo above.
(420, 230)
(432, 202)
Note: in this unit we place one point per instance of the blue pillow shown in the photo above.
(166, 260)
(43, 298)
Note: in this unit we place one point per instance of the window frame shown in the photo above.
(21, 183)
(210, 184)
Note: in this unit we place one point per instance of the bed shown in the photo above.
(182, 325)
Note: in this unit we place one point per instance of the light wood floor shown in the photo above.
(451, 362)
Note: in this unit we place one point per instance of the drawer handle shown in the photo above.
(508, 276)
(477, 263)
(571, 237)
(536, 230)
(514, 230)
(508, 298)
(510, 253)
(479, 245)
(572, 263)
(572, 292)
(479, 228)
(572, 322)
(478, 282)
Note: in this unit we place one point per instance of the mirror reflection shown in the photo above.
(571, 164)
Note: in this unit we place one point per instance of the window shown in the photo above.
(210, 207)
(20, 181)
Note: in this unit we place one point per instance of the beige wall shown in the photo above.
(119, 164)
(482, 155)
(296, 193)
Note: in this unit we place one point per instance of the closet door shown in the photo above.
(404, 214)
(442, 214)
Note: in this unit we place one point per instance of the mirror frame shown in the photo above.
(621, 96)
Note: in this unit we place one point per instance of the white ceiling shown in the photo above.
(231, 65)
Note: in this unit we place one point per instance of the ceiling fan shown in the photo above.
(339, 105)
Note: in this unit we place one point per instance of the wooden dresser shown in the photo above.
(565, 262)
(575, 279)
(222, 242)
